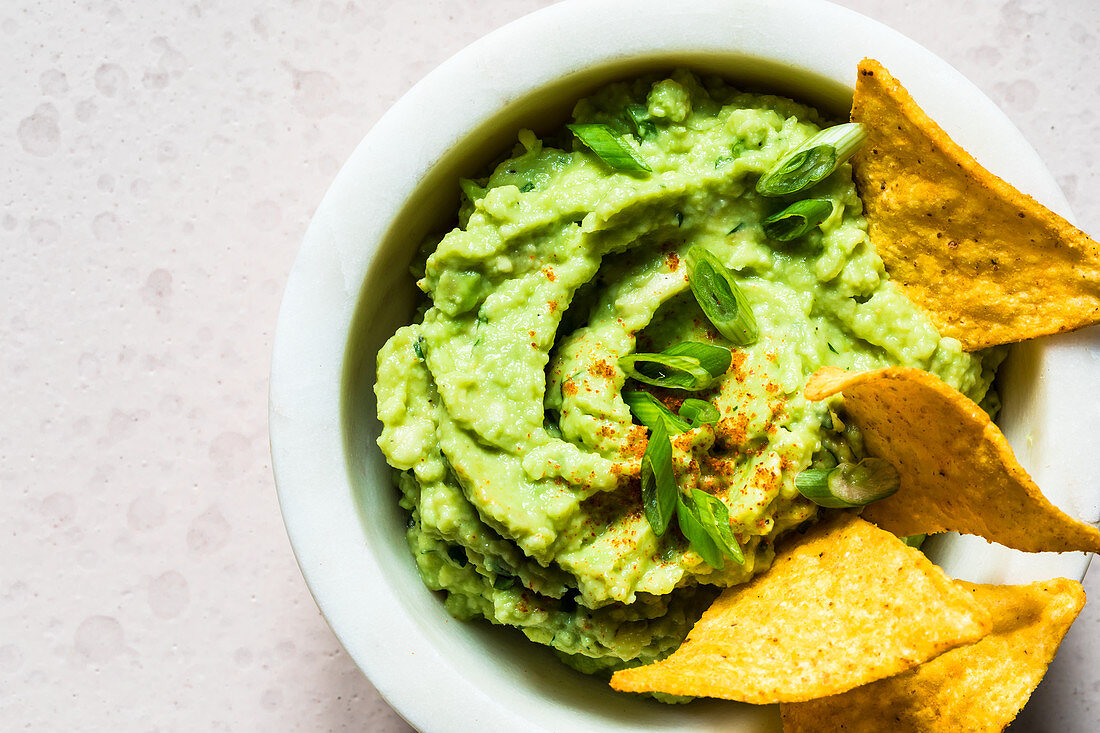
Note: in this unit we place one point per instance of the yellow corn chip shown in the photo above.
(845, 604)
(957, 470)
(980, 687)
(989, 264)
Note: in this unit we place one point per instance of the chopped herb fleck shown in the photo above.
(608, 147)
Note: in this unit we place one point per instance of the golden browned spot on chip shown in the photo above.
(841, 606)
(980, 687)
(989, 264)
(957, 471)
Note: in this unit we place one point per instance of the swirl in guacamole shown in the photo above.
(519, 461)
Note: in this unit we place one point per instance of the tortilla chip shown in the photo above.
(843, 605)
(989, 264)
(957, 470)
(980, 687)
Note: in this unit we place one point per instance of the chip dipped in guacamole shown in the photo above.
(634, 302)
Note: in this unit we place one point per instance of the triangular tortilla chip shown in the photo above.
(957, 470)
(989, 264)
(845, 604)
(980, 687)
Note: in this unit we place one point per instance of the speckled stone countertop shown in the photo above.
(163, 160)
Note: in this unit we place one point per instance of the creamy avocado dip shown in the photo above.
(516, 455)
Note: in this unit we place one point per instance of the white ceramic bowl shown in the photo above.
(348, 292)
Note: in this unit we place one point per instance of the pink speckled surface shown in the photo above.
(163, 161)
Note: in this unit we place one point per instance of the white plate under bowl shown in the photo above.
(348, 292)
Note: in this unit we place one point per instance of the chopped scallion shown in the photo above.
(812, 161)
(797, 220)
(720, 298)
(649, 411)
(696, 535)
(715, 359)
(849, 484)
(658, 481)
(716, 520)
(704, 522)
(608, 146)
(663, 370)
(698, 413)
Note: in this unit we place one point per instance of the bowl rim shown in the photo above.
(323, 290)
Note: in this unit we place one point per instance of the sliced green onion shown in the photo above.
(662, 370)
(812, 479)
(849, 484)
(640, 119)
(797, 220)
(418, 348)
(715, 518)
(698, 413)
(812, 161)
(658, 482)
(610, 148)
(914, 540)
(649, 411)
(715, 359)
(705, 521)
(720, 298)
(691, 526)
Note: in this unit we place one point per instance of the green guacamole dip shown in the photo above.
(501, 407)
